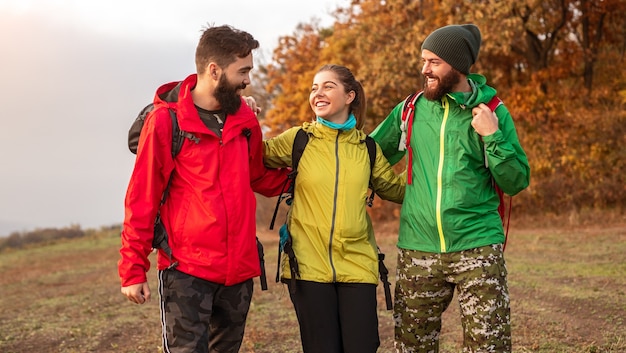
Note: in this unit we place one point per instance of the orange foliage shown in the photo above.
(296, 60)
(557, 65)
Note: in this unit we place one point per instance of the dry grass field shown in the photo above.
(568, 294)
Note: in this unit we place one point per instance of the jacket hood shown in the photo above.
(481, 92)
(168, 93)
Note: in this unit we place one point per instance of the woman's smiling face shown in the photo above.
(329, 99)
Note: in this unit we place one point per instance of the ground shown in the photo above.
(567, 286)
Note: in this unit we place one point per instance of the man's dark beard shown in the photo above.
(444, 86)
(226, 94)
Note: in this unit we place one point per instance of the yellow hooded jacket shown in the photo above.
(332, 233)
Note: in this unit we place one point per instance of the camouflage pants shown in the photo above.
(425, 287)
(202, 316)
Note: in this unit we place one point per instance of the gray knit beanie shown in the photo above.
(458, 45)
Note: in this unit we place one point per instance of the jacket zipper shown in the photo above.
(446, 111)
(332, 224)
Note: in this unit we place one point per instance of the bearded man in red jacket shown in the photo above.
(205, 287)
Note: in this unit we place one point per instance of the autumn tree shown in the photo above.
(557, 65)
(289, 77)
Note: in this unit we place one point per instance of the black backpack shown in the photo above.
(178, 136)
(299, 144)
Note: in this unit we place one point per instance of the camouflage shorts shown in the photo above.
(425, 287)
(202, 316)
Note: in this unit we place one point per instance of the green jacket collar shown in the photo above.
(481, 92)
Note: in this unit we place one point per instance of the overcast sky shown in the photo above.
(74, 75)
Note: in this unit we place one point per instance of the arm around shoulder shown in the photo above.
(388, 134)
(277, 150)
(387, 184)
(266, 181)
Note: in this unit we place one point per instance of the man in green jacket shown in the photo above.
(451, 235)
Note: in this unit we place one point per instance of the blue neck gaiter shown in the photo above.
(349, 124)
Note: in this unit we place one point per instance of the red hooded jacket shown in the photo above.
(210, 210)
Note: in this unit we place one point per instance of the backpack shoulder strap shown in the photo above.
(408, 109)
(177, 137)
(297, 148)
(406, 126)
(177, 144)
(299, 143)
(494, 103)
(371, 151)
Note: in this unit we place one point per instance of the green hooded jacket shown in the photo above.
(451, 204)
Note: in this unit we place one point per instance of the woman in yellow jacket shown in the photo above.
(334, 295)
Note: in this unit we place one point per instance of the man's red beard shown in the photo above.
(444, 85)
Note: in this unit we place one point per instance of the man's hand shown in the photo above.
(137, 293)
(252, 104)
(485, 122)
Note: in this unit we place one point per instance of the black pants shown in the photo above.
(336, 317)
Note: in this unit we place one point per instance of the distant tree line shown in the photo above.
(17, 240)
